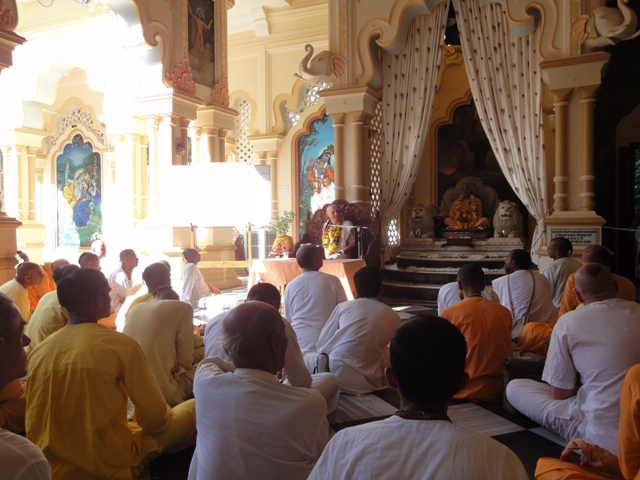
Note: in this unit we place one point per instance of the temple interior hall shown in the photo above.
(160, 125)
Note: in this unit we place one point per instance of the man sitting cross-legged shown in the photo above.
(19, 458)
(356, 336)
(590, 352)
(164, 330)
(295, 371)
(120, 280)
(249, 424)
(311, 297)
(486, 327)
(419, 441)
(79, 381)
(195, 289)
(558, 271)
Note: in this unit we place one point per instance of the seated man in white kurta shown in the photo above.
(527, 294)
(420, 441)
(295, 371)
(591, 350)
(249, 424)
(120, 280)
(195, 289)
(356, 336)
(558, 271)
(164, 330)
(311, 297)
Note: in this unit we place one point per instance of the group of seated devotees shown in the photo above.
(591, 350)
(354, 340)
(80, 380)
(420, 441)
(295, 371)
(164, 330)
(195, 289)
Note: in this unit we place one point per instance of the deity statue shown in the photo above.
(466, 212)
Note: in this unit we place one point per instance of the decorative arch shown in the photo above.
(288, 107)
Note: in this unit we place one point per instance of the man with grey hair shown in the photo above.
(276, 430)
(591, 350)
(21, 459)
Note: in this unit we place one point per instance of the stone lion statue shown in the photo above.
(507, 221)
(421, 221)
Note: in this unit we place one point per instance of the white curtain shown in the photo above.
(504, 74)
(409, 88)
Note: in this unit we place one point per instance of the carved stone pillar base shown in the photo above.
(8, 247)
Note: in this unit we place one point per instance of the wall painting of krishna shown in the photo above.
(78, 192)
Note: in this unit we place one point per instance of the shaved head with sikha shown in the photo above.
(594, 282)
(253, 337)
(156, 275)
(309, 257)
(89, 260)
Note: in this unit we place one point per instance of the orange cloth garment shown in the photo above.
(532, 337)
(36, 292)
(110, 321)
(12, 406)
(604, 463)
(626, 291)
(486, 327)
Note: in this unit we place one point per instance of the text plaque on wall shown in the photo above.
(578, 236)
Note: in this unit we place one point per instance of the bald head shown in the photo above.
(61, 272)
(594, 282)
(253, 337)
(267, 293)
(156, 275)
(597, 254)
(191, 255)
(28, 274)
(89, 260)
(309, 257)
(58, 263)
(99, 248)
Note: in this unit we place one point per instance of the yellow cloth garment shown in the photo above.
(36, 292)
(331, 240)
(48, 318)
(12, 406)
(486, 327)
(626, 291)
(79, 379)
(603, 462)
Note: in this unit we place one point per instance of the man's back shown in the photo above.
(449, 294)
(557, 272)
(486, 327)
(79, 379)
(271, 431)
(596, 344)
(49, 317)
(356, 337)
(309, 300)
(522, 288)
(164, 330)
(422, 449)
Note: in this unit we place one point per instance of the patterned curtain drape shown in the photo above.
(504, 74)
(409, 88)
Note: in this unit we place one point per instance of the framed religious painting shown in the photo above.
(316, 167)
(78, 193)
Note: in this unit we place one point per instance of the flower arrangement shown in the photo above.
(280, 224)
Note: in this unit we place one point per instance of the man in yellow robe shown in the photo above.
(80, 380)
(486, 327)
(36, 292)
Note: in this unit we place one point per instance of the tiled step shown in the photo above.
(436, 276)
(404, 261)
(414, 292)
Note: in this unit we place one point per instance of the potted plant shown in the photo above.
(280, 224)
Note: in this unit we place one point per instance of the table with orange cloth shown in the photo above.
(280, 271)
